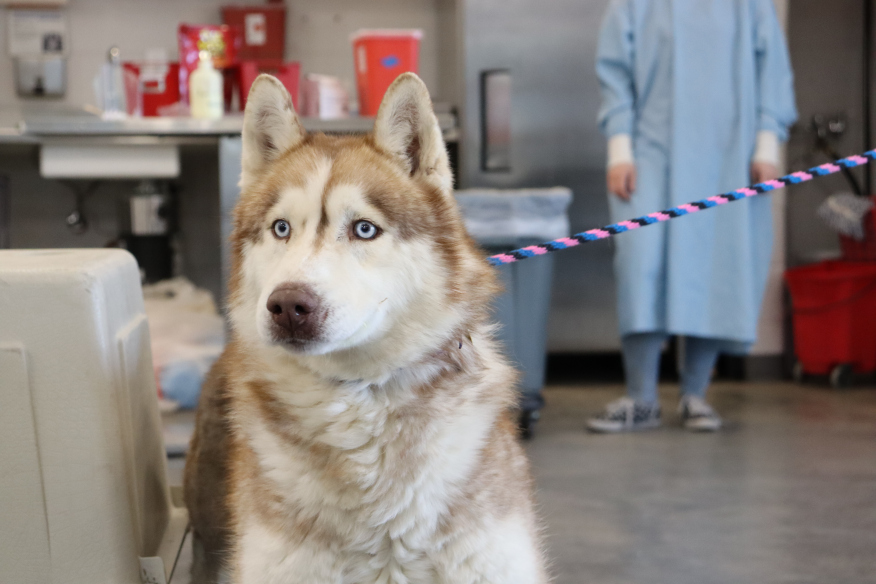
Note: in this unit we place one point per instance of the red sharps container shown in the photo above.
(380, 56)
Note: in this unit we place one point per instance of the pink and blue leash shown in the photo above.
(531, 251)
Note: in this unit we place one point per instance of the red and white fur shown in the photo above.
(357, 427)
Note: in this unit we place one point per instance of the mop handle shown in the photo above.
(516, 255)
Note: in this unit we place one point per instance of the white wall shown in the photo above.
(317, 34)
(782, 11)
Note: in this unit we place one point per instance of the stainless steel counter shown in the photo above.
(34, 125)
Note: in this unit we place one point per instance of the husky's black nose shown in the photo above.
(297, 313)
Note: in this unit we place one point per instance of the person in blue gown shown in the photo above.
(696, 97)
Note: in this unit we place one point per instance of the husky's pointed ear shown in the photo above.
(406, 128)
(270, 126)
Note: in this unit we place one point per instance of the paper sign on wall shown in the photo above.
(34, 33)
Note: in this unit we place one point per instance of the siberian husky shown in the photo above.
(357, 428)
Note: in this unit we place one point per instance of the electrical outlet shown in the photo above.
(829, 126)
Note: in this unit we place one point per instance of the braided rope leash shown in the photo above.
(614, 229)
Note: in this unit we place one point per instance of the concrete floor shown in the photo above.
(786, 493)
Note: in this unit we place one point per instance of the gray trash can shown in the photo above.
(501, 220)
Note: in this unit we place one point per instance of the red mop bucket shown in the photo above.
(834, 305)
(380, 56)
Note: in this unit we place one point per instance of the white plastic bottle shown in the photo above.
(205, 89)
(112, 87)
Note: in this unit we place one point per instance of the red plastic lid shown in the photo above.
(408, 33)
(278, 6)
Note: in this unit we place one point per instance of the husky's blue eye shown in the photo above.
(281, 229)
(365, 229)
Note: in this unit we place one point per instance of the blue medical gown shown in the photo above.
(693, 81)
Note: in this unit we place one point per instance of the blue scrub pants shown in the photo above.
(642, 364)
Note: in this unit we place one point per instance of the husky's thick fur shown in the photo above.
(356, 429)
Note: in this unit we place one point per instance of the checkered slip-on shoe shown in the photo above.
(625, 415)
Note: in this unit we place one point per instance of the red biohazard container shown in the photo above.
(379, 57)
(289, 74)
(834, 305)
(156, 92)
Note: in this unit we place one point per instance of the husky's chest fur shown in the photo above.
(394, 479)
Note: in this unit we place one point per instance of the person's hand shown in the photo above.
(763, 171)
(622, 180)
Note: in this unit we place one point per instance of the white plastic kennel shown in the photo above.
(84, 483)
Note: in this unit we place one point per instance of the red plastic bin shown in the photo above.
(155, 94)
(834, 305)
(289, 74)
(380, 56)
